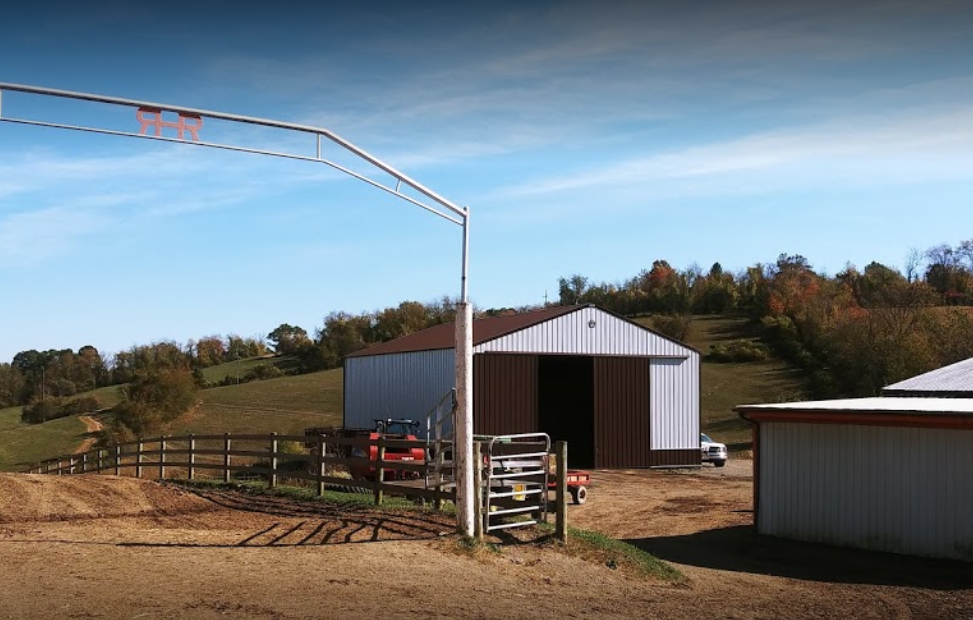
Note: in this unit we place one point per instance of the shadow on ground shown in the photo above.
(740, 549)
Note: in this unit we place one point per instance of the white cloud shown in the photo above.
(38, 235)
(863, 150)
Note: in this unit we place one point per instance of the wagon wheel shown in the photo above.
(579, 494)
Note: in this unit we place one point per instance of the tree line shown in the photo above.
(35, 376)
(852, 332)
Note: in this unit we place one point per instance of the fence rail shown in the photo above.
(378, 466)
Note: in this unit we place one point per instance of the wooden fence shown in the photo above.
(344, 463)
(322, 461)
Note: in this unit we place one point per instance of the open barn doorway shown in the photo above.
(566, 404)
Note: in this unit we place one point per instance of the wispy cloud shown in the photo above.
(863, 151)
(42, 234)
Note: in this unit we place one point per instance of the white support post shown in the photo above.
(463, 444)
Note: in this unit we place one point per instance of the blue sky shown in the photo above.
(585, 137)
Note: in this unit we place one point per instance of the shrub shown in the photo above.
(673, 325)
(261, 372)
(54, 408)
(738, 351)
(154, 399)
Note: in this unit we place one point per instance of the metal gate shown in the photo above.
(514, 479)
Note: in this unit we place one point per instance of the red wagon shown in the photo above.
(578, 481)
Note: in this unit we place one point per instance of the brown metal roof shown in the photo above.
(486, 329)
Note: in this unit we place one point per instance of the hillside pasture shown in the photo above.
(22, 444)
(285, 405)
(239, 368)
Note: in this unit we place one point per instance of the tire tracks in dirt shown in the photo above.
(91, 426)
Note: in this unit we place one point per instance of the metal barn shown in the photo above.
(888, 474)
(621, 394)
(953, 381)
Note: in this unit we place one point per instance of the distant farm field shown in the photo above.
(285, 405)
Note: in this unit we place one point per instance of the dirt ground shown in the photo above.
(105, 547)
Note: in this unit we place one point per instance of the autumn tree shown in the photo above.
(288, 339)
(210, 351)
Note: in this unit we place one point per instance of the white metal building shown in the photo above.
(888, 474)
(621, 394)
(953, 381)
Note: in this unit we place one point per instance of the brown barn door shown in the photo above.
(504, 394)
(621, 412)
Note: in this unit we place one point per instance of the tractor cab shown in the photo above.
(401, 429)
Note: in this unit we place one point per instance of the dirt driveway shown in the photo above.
(77, 547)
(702, 523)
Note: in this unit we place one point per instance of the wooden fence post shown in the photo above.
(478, 489)
(59, 466)
(84, 462)
(380, 472)
(561, 495)
(162, 457)
(139, 448)
(320, 461)
(192, 457)
(118, 459)
(226, 457)
(272, 478)
(71, 465)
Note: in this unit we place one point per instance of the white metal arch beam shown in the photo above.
(440, 207)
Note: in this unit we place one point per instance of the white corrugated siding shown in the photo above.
(570, 335)
(903, 490)
(674, 403)
(400, 385)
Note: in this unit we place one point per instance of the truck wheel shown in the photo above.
(719, 463)
(579, 494)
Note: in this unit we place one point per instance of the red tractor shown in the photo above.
(390, 429)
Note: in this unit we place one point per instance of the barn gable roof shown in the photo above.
(490, 329)
(444, 336)
(955, 380)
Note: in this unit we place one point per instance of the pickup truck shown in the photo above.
(712, 451)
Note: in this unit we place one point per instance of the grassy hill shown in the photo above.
(285, 405)
(21, 444)
(238, 368)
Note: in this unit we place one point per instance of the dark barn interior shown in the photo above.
(565, 404)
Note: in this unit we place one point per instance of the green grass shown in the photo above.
(286, 405)
(724, 386)
(24, 444)
(302, 494)
(108, 396)
(616, 554)
(10, 419)
(215, 374)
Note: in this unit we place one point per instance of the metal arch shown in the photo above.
(319, 131)
(464, 319)
(242, 149)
